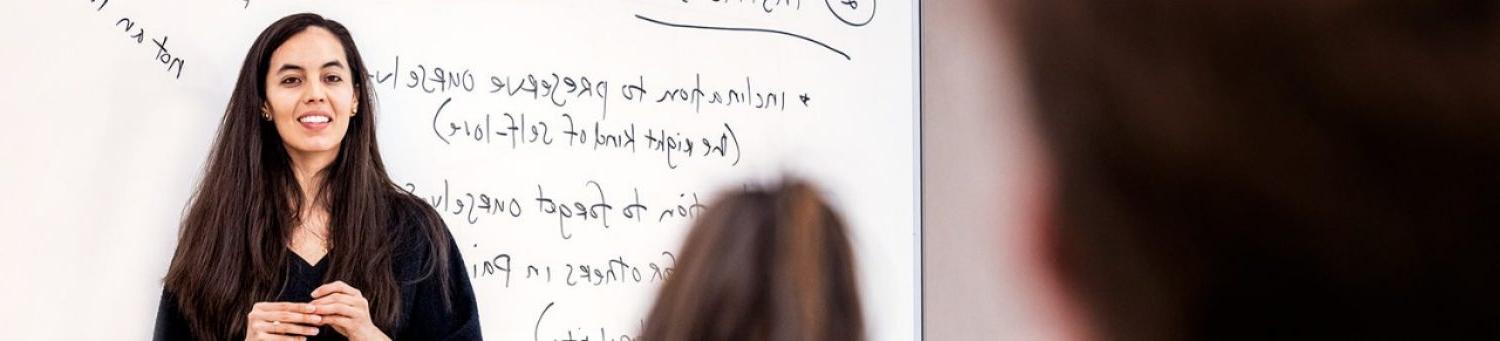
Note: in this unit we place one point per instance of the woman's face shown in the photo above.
(309, 92)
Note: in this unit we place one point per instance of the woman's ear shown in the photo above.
(265, 111)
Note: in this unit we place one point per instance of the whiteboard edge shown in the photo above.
(917, 173)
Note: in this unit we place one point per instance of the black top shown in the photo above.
(422, 315)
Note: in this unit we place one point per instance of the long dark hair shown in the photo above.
(770, 264)
(232, 249)
(1273, 169)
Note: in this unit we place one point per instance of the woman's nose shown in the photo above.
(316, 92)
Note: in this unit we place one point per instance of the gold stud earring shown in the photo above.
(265, 115)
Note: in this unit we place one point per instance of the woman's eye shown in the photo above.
(290, 80)
(333, 79)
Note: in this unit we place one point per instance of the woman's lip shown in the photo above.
(314, 126)
(315, 113)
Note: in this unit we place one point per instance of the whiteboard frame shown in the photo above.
(916, 52)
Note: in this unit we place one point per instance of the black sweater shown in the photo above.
(422, 315)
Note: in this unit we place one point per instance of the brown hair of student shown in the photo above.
(772, 264)
(1272, 169)
(232, 246)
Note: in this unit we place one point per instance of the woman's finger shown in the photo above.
(340, 310)
(278, 337)
(282, 321)
(282, 306)
(262, 330)
(291, 329)
(282, 328)
(336, 286)
(342, 298)
(286, 317)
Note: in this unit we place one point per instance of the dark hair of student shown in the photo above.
(1272, 169)
(771, 264)
(232, 246)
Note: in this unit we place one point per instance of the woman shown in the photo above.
(296, 231)
(762, 265)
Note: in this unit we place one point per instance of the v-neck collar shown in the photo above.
(310, 265)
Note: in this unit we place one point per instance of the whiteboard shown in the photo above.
(506, 115)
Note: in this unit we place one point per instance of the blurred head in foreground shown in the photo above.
(762, 264)
(1272, 169)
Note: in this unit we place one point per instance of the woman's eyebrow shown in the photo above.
(286, 67)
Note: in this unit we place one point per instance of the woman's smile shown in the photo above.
(315, 120)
